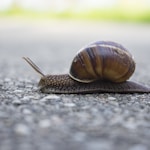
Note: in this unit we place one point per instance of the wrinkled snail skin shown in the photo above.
(100, 67)
(63, 84)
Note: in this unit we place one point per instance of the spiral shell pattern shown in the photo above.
(102, 60)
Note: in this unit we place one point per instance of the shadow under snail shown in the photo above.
(100, 67)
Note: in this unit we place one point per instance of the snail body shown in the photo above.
(100, 67)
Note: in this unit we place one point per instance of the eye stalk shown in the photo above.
(34, 66)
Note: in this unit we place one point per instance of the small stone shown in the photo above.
(69, 104)
(44, 123)
(111, 98)
(21, 129)
(25, 98)
(50, 97)
(114, 103)
(7, 80)
(16, 102)
(29, 86)
(26, 111)
(56, 120)
(18, 91)
(28, 98)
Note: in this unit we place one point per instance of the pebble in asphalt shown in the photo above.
(32, 120)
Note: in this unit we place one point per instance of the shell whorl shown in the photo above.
(102, 60)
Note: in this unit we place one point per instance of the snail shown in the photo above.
(100, 67)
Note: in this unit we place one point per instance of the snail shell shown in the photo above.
(100, 67)
(102, 60)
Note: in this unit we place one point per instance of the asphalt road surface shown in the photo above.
(30, 120)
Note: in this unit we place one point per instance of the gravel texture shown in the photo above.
(30, 120)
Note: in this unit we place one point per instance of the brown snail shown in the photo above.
(100, 67)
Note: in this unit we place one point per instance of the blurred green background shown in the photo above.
(108, 10)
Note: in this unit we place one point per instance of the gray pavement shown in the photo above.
(35, 121)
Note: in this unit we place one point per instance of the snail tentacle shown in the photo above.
(33, 65)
